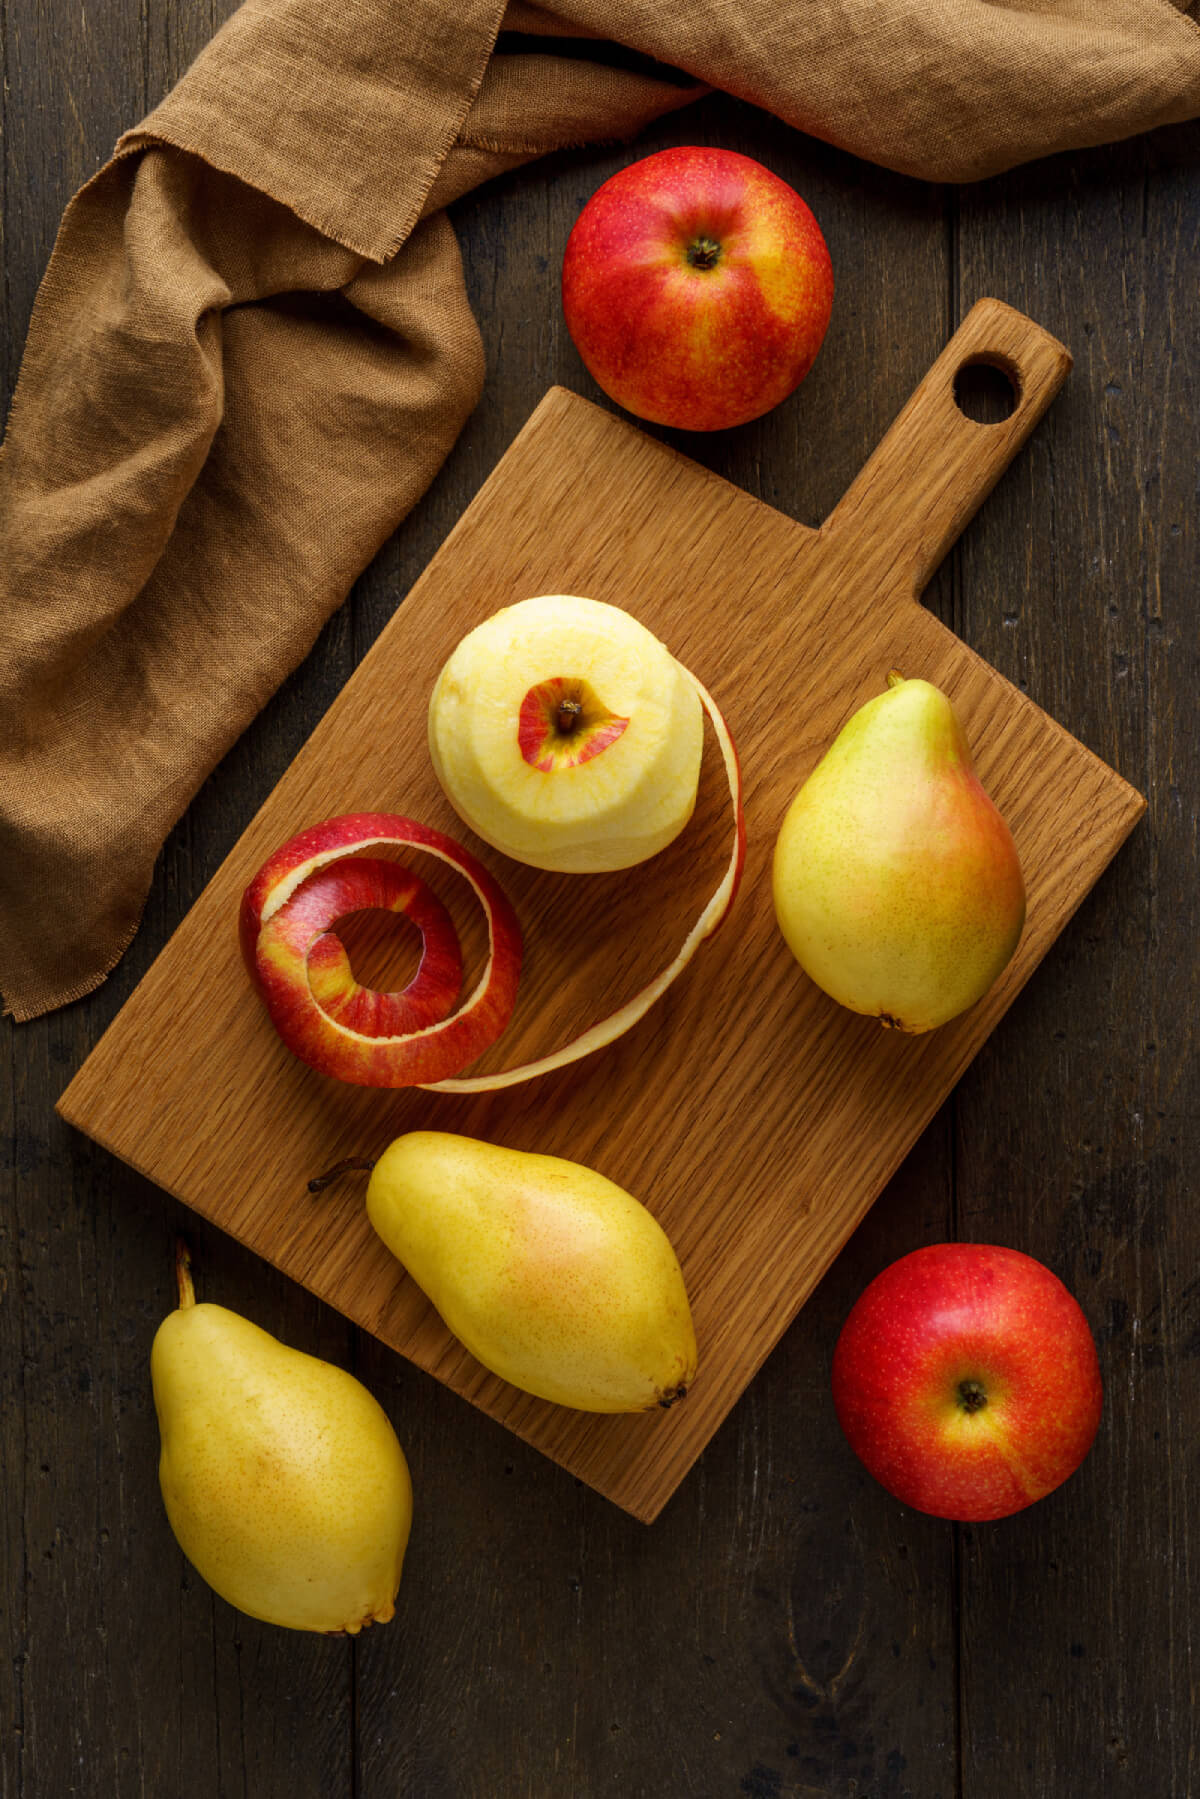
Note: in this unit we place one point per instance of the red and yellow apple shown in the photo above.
(697, 287)
(966, 1380)
(567, 736)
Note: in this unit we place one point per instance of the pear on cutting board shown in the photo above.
(896, 880)
(553, 1277)
(283, 1480)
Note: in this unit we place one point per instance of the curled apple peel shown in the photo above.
(302, 928)
(303, 972)
(411, 1039)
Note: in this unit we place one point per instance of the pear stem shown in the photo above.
(183, 1274)
(351, 1164)
(895, 678)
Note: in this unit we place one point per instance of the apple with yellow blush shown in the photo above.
(967, 1381)
(697, 287)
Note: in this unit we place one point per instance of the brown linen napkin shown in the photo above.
(252, 350)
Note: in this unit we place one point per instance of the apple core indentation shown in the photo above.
(563, 723)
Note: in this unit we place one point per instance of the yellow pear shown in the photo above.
(552, 1276)
(282, 1477)
(897, 883)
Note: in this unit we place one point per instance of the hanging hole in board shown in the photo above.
(986, 392)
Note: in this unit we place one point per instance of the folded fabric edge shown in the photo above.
(24, 1011)
(188, 120)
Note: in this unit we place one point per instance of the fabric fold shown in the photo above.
(947, 90)
(203, 486)
(344, 114)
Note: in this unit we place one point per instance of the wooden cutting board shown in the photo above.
(756, 1118)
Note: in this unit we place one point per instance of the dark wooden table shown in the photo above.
(785, 1629)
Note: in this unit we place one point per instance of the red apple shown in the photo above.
(697, 287)
(966, 1380)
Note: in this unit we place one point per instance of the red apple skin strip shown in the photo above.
(277, 956)
(367, 883)
(609, 1029)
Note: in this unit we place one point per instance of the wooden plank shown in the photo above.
(73, 82)
(684, 1111)
(175, 32)
(1078, 1125)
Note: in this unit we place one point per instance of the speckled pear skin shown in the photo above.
(552, 1276)
(896, 880)
(283, 1480)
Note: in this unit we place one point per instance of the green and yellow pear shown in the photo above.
(282, 1477)
(552, 1276)
(896, 880)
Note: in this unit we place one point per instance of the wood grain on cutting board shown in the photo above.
(757, 1119)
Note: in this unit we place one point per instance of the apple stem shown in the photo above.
(183, 1274)
(351, 1164)
(972, 1395)
(895, 678)
(703, 253)
(568, 715)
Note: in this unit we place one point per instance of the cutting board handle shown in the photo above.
(936, 465)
